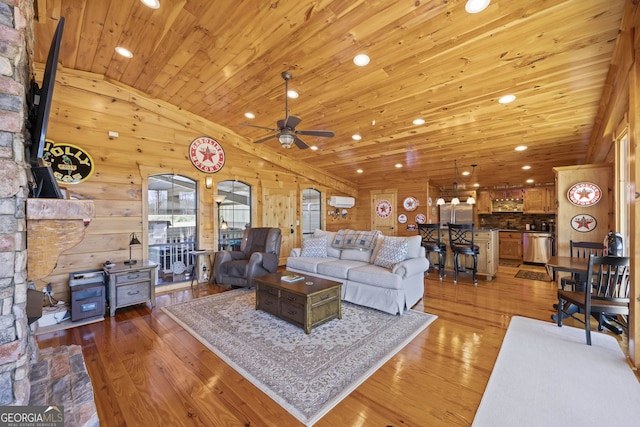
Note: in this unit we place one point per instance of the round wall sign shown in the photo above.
(70, 164)
(410, 204)
(584, 194)
(402, 218)
(206, 154)
(421, 219)
(383, 209)
(583, 223)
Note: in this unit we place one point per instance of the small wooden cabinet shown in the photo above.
(511, 245)
(539, 200)
(483, 202)
(131, 284)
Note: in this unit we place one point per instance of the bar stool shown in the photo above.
(431, 241)
(461, 242)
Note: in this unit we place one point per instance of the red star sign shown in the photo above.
(583, 223)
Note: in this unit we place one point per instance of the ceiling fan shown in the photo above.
(286, 129)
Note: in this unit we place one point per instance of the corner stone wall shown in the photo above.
(17, 345)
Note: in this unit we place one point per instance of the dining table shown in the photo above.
(574, 265)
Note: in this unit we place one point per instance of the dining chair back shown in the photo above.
(606, 292)
(431, 235)
(461, 242)
(581, 250)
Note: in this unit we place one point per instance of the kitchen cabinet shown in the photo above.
(487, 241)
(539, 200)
(511, 245)
(483, 202)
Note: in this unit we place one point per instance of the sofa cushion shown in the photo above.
(308, 264)
(315, 247)
(392, 251)
(338, 268)
(375, 276)
(329, 235)
(356, 255)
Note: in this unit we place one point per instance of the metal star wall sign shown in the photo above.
(583, 223)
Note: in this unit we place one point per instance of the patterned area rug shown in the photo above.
(533, 275)
(306, 374)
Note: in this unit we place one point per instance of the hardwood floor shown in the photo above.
(146, 370)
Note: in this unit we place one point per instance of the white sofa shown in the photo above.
(367, 276)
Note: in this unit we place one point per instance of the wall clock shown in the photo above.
(583, 223)
(402, 218)
(421, 219)
(206, 154)
(383, 209)
(410, 204)
(584, 194)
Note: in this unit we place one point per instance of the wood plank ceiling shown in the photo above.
(429, 59)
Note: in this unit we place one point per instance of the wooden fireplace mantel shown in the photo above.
(53, 226)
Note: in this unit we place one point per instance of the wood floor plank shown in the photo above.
(147, 370)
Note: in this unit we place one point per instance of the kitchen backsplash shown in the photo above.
(513, 221)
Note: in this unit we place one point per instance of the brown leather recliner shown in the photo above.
(258, 255)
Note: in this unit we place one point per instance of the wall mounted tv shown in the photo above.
(44, 183)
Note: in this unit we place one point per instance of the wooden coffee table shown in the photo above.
(307, 303)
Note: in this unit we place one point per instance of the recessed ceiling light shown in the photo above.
(526, 167)
(359, 171)
(398, 165)
(466, 173)
(124, 52)
(475, 6)
(418, 122)
(314, 147)
(476, 185)
(153, 4)
(249, 115)
(373, 122)
(361, 60)
(292, 94)
(521, 148)
(529, 181)
(356, 137)
(507, 99)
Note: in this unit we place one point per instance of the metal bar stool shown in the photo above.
(461, 242)
(431, 241)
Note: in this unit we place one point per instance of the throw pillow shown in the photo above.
(314, 247)
(391, 252)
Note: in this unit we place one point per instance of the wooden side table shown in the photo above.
(131, 284)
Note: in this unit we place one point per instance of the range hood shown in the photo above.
(507, 205)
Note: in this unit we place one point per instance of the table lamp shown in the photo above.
(134, 242)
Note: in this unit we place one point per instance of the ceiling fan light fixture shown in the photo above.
(286, 140)
(476, 6)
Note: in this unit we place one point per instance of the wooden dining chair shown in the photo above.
(580, 250)
(606, 291)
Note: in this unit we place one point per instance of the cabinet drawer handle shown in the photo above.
(131, 277)
(133, 293)
(292, 312)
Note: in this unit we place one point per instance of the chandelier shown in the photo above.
(457, 176)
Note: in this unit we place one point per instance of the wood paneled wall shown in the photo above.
(154, 138)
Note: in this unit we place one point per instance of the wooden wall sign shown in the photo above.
(70, 164)
(206, 154)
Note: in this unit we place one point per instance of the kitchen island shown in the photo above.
(487, 240)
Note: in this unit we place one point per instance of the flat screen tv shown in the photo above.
(45, 184)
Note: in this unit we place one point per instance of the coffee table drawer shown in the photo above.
(292, 298)
(292, 312)
(325, 297)
(267, 301)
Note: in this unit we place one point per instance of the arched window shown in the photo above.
(234, 213)
(311, 211)
(173, 225)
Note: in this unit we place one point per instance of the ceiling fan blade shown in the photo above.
(300, 143)
(259, 127)
(324, 133)
(290, 122)
(266, 138)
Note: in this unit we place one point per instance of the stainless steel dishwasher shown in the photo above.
(537, 247)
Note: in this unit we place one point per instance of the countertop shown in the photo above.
(524, 231)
